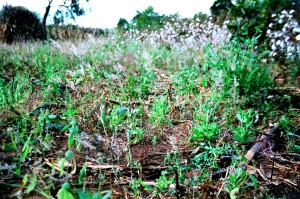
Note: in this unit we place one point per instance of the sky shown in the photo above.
(106, 13)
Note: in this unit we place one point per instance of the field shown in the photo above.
(120, 117)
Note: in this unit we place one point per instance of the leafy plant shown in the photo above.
(137, 134)
(288, 126)
(117, 115)
(82, 174)
(185, 80)
(123, 25)
(243, 133)
(72, 127)
(249, 18)
(64, 193)
(159, 111)
(164, 182)
(205, 132)
(134, 185)
(238, 180)
(236, 71)
(33, 182)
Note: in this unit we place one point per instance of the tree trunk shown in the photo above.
(47, 12)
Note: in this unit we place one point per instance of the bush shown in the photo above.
(235, 70)
(250, 18)
(284, 35)
(18, 24)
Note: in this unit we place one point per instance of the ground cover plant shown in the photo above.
(171, 114)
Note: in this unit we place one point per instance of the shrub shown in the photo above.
(18, 24)
(284, 34)
(234, 70)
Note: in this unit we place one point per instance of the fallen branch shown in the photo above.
(260, 144)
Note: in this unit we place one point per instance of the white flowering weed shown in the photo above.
(284, 35)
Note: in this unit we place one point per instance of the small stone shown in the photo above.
(98, 139)
(83, 135)
(188, 114)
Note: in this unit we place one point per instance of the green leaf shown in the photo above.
(254, 180)
(81, 194)
(64, 194)
(97, 196)
(25, 150)
(66, 127)
(66, 186)
(9, 147)
(71, 140)
(169, 121)
(32, 184)
(69, 154)
(106, 196)
(296, 148)
(25, 179)
(204, 82)
(240, 117)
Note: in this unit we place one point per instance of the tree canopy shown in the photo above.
(147, 19)
(67, 9)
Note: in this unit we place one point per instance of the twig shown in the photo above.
(55, 166)
(223, 184)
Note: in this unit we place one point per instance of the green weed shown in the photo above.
(158, 114)
(244, 132)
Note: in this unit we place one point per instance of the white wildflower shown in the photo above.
(284, 29)
(296, 30)
(278, 42)
(284, 12)
(236, 83)
(287, 39)
(282, 44)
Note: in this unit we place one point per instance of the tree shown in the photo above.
(201, 16)
(221, 7)
(148, 19)
(68, 9)
(19, 24)
(123, 24)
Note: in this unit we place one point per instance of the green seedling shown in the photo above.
(244, 132)
(239, 180)
(135, 186)
(116, 117)
(205, 132)
(164, 182)
(137, 134)
(186, 80)
(159, 111)
(64, 193)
